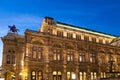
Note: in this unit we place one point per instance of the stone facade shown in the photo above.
(58, 51)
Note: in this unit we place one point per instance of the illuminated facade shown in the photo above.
(59, 51)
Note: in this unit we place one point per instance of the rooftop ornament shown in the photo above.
(13, 29)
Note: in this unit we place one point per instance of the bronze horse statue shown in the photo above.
(13, 28)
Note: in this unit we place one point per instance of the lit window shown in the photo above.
(33, 75)
(82, 57)
(71, 76)
(103, 75)
(39, 75)
(36, 52)
(82, 76)
(57, 75)
(36, 75)
(70, 56)
(39, 52)
(56, 54)
(55, 58)
(92, 58)
(93, 75)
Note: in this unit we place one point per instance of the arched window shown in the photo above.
(82, 76)
(40, 76)
(57, 75)
(71, 75)
(93, 75)
(33, 75)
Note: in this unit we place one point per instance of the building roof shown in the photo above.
(78, 28)
(115, 39)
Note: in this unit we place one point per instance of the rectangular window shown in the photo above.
(60, 33)
(69, 35)
(70, 56)
(93, 76)
(82, 58)
(36, 52)
(93, 39)
(33, 75)
(55, 58)
(78, 37)
(8, 59)
(86, 38)
(56, 54)
(100, 41)
(82, 75)
(106, 42)
(71, 76)
(39, 52)
(13, 59)
(92, 58)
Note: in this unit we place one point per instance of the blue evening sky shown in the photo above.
(99, 15)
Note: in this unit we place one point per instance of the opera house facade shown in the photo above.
(59, 51)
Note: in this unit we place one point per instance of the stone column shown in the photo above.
(77, 73)
(88, 73)
(64, 75)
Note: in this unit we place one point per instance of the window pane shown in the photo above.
(84, 75)
(33, 75)
(39, 55)
(58, 56)
(80, 58)
(59, 73)
(91, 75)
(8, 59)
(68, 75)
(13, 59)
(68, 57)
(71, 57)
(95, 76)
(80, 75)
(54, 72)
(34, 54)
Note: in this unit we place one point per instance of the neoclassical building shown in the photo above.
(59, 51)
